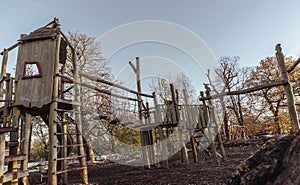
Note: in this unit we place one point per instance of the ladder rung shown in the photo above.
(71, 169)
(11, 143)
(67, 122)
(74, 145)
(59, 134)
(69, 158)
(15, 158)
(8, 129)
(65, 110)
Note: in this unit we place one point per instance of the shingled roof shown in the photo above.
(46, 32)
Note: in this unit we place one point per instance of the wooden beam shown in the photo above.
(115, 85)
(13, 175)
(97, 88)
(192, 139)
(293, 66)
(288, 89)
(15, 158)
(244, 91)
(10, 48)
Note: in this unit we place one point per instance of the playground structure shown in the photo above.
(41, 87)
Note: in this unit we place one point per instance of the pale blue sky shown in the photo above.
(249, 29)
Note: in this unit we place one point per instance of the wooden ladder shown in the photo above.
(10, 140)
(70, 133)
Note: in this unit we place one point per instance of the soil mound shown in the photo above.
(278, 162)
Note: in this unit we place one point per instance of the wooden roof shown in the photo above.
(46, 32)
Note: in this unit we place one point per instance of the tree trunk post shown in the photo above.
(192, 140)
(288, 89)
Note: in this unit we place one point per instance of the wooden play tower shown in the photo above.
(38, 90)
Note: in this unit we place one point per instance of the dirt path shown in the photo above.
(206, 171)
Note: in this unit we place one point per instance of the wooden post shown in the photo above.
(2, 136)
(143, 134)
(82, 160)
(207, 117)
(288, 89)
(52, 159)
(3, 71)
(64, 149)
(2, 155)
(184, 154)
(160, 131)
(192, 140)
(13, 150)
(25, 146)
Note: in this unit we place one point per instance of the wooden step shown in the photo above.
(72, 134)
(73, 145)
(69, 158)
(15, 158)
(13, 175)
(66, 110)
(71, 169)
(8, 129)
(11, 144)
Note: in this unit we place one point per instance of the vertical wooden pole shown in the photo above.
(212, 140)
(192, 140)
(25, 146)
(2, 155)
(288, 89)
(144, 134)
(52, 159)
(2, 136)
(13, 150)
(82, 160)
(3, 71)
(158, 118)
(64, 149)
(184, 154)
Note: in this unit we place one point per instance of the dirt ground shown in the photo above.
(206, 171)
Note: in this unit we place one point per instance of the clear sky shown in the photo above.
(248, 29)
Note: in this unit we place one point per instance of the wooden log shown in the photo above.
(115, 85)
(65, 149)
(13, 150)
(293, 66)
(288, 89)
(3, 71)
(210, 139)
(52, 162)
(10, 48)
(158, 118)
(11, 176)
(2, 155)
(192, 140)
(244, 91)
(25, 146)
(84, 172)
(96, 88)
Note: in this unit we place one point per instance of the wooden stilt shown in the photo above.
(288, 89)
(25, 146)
(65, 149)
(82, 160)
(192, 140)
(159, 119)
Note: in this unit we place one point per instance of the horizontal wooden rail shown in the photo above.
(97, 88)
(115, 85)
(71, 169)
(293, 66)
(13, 175)
(245, 91)
(10, 48)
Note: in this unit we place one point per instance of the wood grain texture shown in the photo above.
(35, 92)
